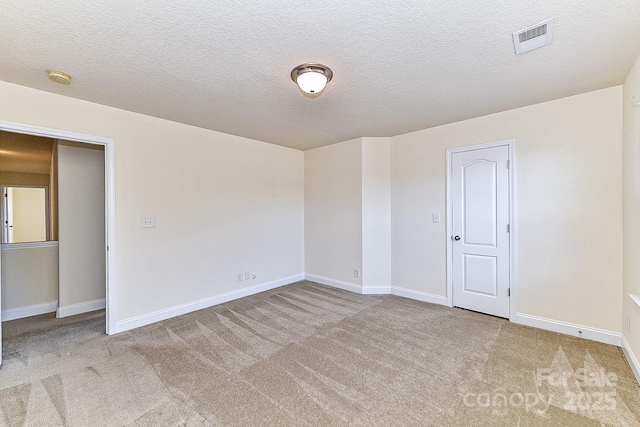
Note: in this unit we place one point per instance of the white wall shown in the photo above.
(29, 276)
(333, 211)
(348, 214)
(81, 224)
(376, 212)
(223, 204)
(568, 204)
(631, 168)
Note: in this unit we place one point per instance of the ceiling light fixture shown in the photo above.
(59, 77)
(311, 77)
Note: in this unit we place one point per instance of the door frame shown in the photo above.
(109, 202)
(510, 144)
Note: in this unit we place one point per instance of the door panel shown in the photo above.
(480, 212)
(480, 275)
(479, 200)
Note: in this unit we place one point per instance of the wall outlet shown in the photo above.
(253, 274)
(435, 217)
(247, 275)
(356, 272)
(239, 277)
(148, 221)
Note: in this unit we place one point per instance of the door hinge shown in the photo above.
(509, 292)
(508, 228)
(508, 164)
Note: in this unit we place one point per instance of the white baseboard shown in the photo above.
(594, 334)
(376, 290)
(157, 316)
(28, 310)
(379, 290)
(631, 358)
(82, 307)
(418, 295)
(353, 287)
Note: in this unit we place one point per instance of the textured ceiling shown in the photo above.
(399, 65)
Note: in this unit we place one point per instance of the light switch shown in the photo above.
(148, 221)
(436, 217)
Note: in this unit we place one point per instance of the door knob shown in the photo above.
(456, 238)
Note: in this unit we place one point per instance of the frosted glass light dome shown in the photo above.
(311, 77)
(311, 82)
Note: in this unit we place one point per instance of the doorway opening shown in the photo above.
(72, 144)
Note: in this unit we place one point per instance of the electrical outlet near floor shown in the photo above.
(253, 274)
(247, 275)
(239, 277)
(356, 272)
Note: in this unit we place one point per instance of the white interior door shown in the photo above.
(480, 240)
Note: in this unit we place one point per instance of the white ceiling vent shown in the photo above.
(533, 37)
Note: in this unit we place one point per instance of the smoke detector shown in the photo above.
(59, 77)
(533, 37)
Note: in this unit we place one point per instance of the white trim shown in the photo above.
(631, 358)
(594, 334)
(82, 307)
(376, 290)
(53, 133)
(419, 296)
(160, 315)
(449, 226)
(29, 310)
(352, 287)
(513, 278)
(110, 234)
(590, 333)
(30, 245)
(110, 210)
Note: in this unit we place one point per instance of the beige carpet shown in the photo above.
(309, 355)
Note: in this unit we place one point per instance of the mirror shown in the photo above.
(24, 214)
